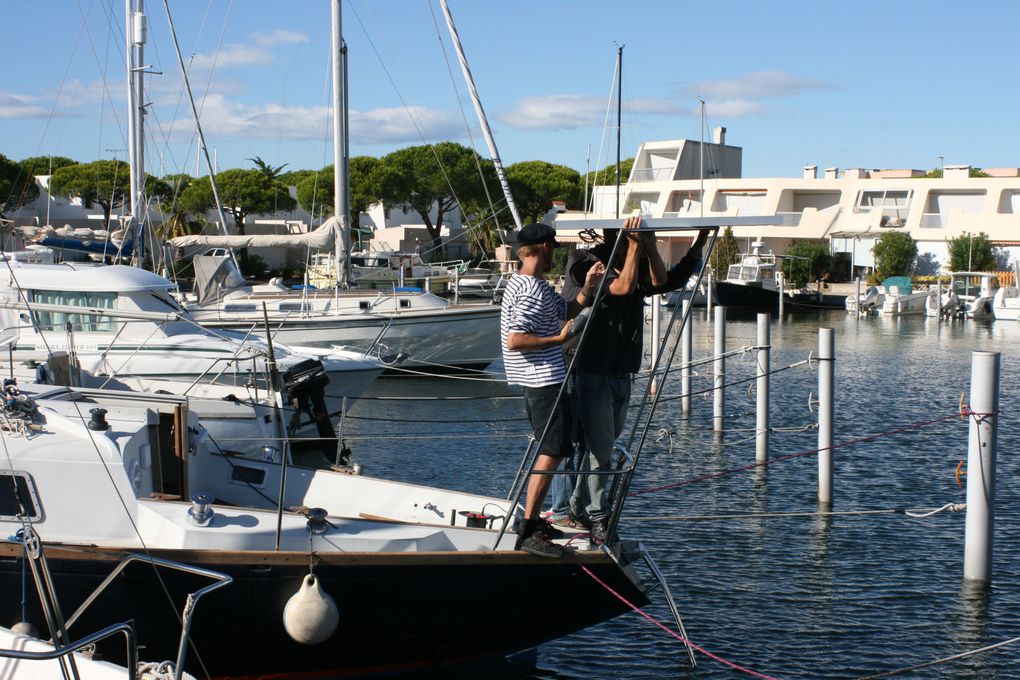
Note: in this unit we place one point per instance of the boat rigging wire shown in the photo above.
(947, 659)
(915, 513)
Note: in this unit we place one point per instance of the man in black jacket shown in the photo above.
(613, 347)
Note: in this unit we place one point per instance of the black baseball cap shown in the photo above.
(535, 233)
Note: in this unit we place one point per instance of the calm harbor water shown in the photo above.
(790, 597)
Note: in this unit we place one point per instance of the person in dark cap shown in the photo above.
(612, 350)
(533, 325)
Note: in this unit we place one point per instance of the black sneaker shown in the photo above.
(539, 544)
(600, 530)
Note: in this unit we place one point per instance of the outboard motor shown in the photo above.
(305, 383)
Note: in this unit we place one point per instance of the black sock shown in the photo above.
(529, 527)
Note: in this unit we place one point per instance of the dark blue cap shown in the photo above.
(535, 233)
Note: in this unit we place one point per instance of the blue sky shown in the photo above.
(864, 84)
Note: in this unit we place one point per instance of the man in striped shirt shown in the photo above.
(533, 325)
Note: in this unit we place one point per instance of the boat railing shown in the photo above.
(219, 581)
(62, 651)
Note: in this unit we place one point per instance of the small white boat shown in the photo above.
(1006, 304)
(970, 295)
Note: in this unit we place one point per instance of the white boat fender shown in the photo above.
(311, 615)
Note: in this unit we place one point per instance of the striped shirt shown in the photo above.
(531, 306)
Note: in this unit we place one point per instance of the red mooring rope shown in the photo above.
(801, 454)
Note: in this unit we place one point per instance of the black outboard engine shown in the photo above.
(305, 383)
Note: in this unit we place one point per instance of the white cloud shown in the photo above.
(556, 112)
(733, 108)
(393, 125)
(257, 52)
(21, 106)
(571, 111)
(756, 85)
(222, 117)
(279, 37)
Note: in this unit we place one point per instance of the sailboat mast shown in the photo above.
(135, 37)
(504, 183)
(341, 200)
(619, 120)
(202, 148)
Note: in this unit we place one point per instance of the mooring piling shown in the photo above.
(719, 370)
(686, 350)
(826, 378)
(708, 295)
(763, 359)
(983, 414)
(656, 340)
(782, 291)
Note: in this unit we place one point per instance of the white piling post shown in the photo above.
(984, 404)
(719, 370)
(708, 296)
(782, 289)
(826, 378)
(761, 451)
(857, 295)
(656, 340)
(686, 350)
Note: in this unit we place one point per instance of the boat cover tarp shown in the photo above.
(215, 275)
(901, 282)
(321, 238)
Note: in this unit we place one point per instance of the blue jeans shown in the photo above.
(602, 403)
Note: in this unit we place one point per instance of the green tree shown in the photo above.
(177, 221)
(725, 253)
(11, 176)
(24, 189)
(971, 252)
(607, 175)
(294, 177)
(427, 177)
(806, 261)
(104, 183)
(536, 184)
(242, 192)
(267, 169)
(315, 191)
(895, 252)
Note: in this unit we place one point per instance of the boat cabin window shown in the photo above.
(767, 274)
(738, 273)
(404, 303)
(363, 304)
(80, 322)
(18, 499)
(293, 307)
(238, 308)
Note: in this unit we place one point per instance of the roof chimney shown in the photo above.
(719, 135)
(810, 172)
(831, 173)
